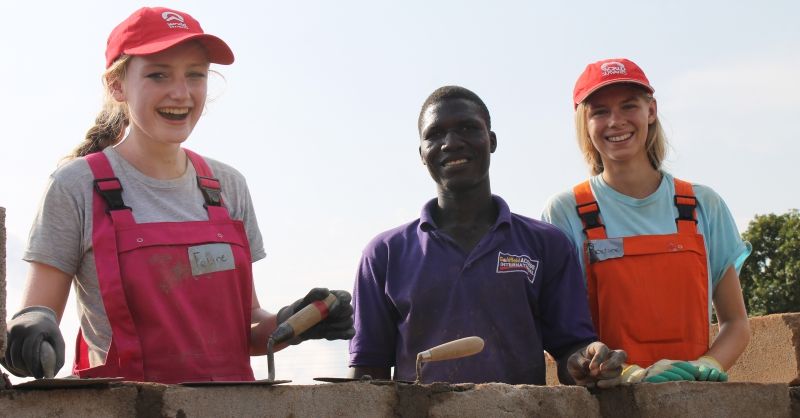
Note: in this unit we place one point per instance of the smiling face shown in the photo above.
(618, 118)
(165, 93)
(456, 144)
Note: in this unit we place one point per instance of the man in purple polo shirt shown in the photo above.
(468, 266)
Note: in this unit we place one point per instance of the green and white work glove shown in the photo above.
(709, 370)
(661, 371)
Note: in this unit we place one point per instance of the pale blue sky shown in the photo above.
(319, 112)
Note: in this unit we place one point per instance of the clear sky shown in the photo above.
(319, 112)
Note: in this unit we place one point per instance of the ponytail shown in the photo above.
(110, 124)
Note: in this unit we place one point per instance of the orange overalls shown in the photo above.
(648, 294)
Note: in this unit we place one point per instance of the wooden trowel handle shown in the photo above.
(453, 349)
(301, 321)
(311, 315)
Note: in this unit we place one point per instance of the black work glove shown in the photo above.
(337, 326)
(26, 331)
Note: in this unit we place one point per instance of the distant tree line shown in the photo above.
(771, 276)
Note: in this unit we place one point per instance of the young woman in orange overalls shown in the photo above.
(656, 250)
(158, 239)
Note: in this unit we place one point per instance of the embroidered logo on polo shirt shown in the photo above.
(509, 263)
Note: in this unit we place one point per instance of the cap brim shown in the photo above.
(217, 50)
(610, 82)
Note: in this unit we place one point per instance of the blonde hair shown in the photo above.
(110, 123)
(656, 143)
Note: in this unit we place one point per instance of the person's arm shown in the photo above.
(262, 324)
(563, 366)
(373, 346)
(734, 328)
(46, 286)
(375, 372)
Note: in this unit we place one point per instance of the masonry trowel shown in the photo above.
(448, 351)
(297, 324)
(47, 355)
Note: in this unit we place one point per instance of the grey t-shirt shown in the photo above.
(61, 235)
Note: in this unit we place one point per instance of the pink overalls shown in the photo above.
(177, 294)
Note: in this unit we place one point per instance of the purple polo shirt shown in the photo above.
(520, 289)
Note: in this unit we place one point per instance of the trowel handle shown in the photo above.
(312, 314)
(453, 349)
(47, 356)
(304, 319)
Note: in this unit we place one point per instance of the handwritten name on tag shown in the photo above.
(210, 258)
(605, 249)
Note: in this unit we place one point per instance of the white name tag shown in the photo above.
(210, 258)
(604, 249)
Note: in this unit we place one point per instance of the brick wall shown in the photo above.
(365, 399)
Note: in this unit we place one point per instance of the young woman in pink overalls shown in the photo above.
(656, 250)
(157, 240)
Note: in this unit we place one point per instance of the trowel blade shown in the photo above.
(265, 382)
(354, 379)
(63, 383)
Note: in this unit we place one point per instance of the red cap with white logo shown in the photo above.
(603, 73)
(153, 29)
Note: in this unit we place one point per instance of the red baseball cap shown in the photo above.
(153, 29)
(605, 72)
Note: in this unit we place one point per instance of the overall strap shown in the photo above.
(210, 186)
(109, 188)
(589, 211)
(108, 201)
(686, 203)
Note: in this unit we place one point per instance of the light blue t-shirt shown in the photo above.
(655, 214)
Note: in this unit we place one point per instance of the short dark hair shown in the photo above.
(454, 93)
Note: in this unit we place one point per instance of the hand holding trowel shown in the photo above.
(49, 362)
(295, 325)
(296, 322)
(36, 349)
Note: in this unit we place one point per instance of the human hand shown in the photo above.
(27, 329)
(596, 365)
(338, 325)
(661, 371)
(709, 370)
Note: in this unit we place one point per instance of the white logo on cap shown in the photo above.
(174, 20)
(612, 68)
